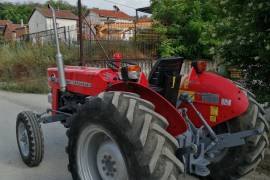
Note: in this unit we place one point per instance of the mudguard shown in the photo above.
(216, 98)
(177, 124)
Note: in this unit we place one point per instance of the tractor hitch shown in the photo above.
(235, 139)
(185, 97)
(197, 149)
(59, 116)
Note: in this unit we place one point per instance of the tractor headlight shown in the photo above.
(134, 72)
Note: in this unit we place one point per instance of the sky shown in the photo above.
(102, 4)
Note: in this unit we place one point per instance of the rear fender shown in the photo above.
(177, 124)
(216, 98)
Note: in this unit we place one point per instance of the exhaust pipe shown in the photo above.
(59, 57)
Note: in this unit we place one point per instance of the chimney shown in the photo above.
(22, 24)
(13, 36)
(116, 8)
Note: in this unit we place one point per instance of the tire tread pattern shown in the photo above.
(36, 139)
(149, 128)
(153, 147)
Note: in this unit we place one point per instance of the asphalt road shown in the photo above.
(54, 165)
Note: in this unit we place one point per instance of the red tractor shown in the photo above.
(123, 126)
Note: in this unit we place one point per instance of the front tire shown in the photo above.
(129, 125)
(29, 138)
(240, 161)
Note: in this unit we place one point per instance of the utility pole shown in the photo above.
(136, 21)
(80, 32)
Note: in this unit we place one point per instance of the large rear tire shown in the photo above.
(143, 150)
(240, 161)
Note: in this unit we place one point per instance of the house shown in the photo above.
(102, 16)
(3, 24)
(13, 32)
(109, 24)
(41, 21)
(123, 31)
(115, 31)
(145, 23)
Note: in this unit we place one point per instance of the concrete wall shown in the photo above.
(93, 18)
(70, 25)
(37, 23)
(61, 23)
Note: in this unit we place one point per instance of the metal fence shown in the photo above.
(66, 35)
(138, 43)
(132, 40)
(147, 65)
(135, 40)
(140, 50)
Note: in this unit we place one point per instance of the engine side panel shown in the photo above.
(86, 81)
(177, 124)
(81, 80)
(216, 98)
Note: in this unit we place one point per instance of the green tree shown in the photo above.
(245, 28)
(188, 27)
(17, 12)
(22, 11)
(63, 5)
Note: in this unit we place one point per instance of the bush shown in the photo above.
(23, 67)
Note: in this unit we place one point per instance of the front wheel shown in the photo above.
(119, 136)
(29, 138)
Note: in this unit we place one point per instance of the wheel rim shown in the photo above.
(99, 157)
(23, 139)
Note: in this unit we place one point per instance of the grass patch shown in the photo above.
(37, 85)
(23, 67)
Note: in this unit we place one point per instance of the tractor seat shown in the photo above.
(165, 77)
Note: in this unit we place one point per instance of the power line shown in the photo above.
(120, 4)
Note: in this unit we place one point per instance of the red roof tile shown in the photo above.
(12, 27)
(4, 22)
(61, 14)
(111, 13)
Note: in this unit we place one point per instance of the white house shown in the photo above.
(41, 22)
(101, 16)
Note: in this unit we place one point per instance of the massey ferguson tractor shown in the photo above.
(122, 125)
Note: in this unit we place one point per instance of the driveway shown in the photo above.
(54, 165)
